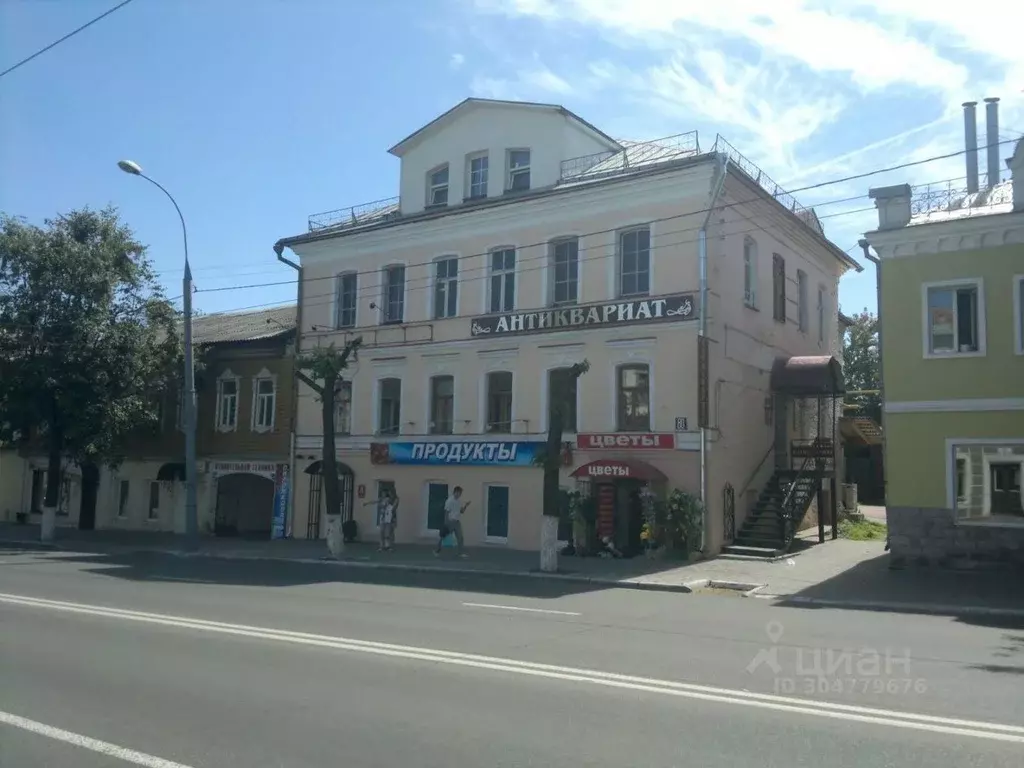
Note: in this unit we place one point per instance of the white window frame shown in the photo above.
(338, 420)
(486, 173)
(978, 284)
(338, 308)
(505, 274)
(803, 310)
(255, 425)
(520, 170)
(433, 187)
(619, 253)
(750, 259)
(553, 271)
(385, 301)
(447, 284)
(952, 443)
(486, 402)
(378, 403)
(1018, 314)
(153, 511)
(627, 363)
(487, 513)
(225, 377)
(430, 401)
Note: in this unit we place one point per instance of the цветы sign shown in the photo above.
(680, 307)
(614, 440)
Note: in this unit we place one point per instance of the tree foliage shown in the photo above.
(861, 365)
(88, 341)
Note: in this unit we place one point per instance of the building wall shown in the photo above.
(909, 374)
(550, 136)
(12, 474)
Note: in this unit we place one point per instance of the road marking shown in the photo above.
(180, 578)
(78, 740)
(518, 608)
(809, 707)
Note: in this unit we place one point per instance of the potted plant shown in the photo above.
(684, 518)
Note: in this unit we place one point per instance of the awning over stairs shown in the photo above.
(808, 376)
(317, 468)
(171, 471)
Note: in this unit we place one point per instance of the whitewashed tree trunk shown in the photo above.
(335, 538)
(49, 524)
(549, 544)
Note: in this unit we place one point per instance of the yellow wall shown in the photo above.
(908, 375)
(916, 471)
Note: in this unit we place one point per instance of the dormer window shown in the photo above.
(477, 181)
(437, 186)
(518, 170)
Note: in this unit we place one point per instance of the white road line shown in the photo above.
(809, 707)
(518, 608)
(103, 747)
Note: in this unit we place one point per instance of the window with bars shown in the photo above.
(345, 301)
(393, 300)
(634, 398)
(446, 287)
(503, 280)
(565, 270)
(442, 405)
(499, 402)
(635, 262)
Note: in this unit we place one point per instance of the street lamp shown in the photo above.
(191, 514)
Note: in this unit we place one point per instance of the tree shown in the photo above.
(551, 461)
(88, 342)
(326, 366)
(861, 365)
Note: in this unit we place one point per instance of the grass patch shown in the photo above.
(862, 530)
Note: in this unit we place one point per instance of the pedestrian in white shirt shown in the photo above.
(453, 509)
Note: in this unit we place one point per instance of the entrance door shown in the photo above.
(1005, 485)
(497, 513)
(437, 495)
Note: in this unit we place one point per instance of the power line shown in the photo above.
(70, 34)
(662, 219)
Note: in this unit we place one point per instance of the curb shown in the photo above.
(929, 609)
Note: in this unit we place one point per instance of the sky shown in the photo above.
(255, 114)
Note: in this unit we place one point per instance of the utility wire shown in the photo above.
(70, 34)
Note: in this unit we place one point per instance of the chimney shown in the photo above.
(992, 139)
(971, 145)
(893, 204)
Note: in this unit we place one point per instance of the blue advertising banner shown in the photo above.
(281, 490)
(475, 453)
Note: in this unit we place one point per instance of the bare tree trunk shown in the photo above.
(552, 497)
(329, 468)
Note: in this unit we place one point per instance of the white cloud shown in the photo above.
(537, 83)
(456, 61)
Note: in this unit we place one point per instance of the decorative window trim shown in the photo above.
(1018, 314)
(432, 306)
(226, 376)
(263, 375)
(750, 259)
(951, 456)
(432, 187)
(967, 282)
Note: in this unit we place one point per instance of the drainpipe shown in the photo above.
(863, 243)
(702, 258)
(290, 512)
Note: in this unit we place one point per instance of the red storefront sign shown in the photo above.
(615, 440)
(610, 469)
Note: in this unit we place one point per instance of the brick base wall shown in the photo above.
(931, 537)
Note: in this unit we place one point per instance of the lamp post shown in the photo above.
(189, 406)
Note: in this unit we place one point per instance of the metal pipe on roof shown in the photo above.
(992, 129)
(971, 145)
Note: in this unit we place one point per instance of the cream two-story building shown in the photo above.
(524, 240)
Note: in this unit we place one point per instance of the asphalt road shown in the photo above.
(212, 664)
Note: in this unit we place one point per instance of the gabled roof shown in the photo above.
(446, 118)
(226, 327)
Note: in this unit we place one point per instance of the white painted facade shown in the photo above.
(670, 204)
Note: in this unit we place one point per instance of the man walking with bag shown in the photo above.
(453, 509)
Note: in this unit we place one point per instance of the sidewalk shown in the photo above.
(840, 573)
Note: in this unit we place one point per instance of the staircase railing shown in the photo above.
(787, 525)
(760, 465)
